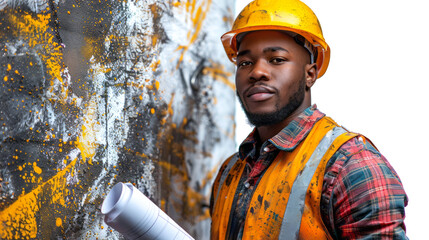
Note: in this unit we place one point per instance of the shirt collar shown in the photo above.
(290, 137)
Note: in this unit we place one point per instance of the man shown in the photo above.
(298, 175)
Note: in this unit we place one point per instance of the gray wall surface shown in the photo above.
(95, 92)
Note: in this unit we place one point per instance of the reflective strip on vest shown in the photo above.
(296, 202)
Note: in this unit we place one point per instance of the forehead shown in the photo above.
(259, 40)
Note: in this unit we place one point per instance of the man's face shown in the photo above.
(270, 77)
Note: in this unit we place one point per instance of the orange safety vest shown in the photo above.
(295, 176)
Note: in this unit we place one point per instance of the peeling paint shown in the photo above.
(97, 92)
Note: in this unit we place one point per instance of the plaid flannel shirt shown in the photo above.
(362, 196)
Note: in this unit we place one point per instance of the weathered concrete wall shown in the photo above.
(94, 92)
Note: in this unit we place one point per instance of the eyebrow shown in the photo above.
(265, 50)
(245, 52)
(273, 49)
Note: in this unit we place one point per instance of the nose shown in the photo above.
(260, 71)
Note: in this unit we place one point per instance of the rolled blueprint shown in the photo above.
(135, 216)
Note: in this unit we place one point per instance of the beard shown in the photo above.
(281, 113)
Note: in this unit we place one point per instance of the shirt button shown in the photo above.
(266, 149)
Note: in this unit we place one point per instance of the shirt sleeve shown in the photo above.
(367, 199)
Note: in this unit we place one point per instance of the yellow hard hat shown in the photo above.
(285, 15)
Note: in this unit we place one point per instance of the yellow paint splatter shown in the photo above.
(218, 73)
(163, 204)
(37, 169)
(154, 39)
(35, 30)
(197, 16)
(176, 4)
(173, 169)
(59, 222)
(19, 220)
(155, 65)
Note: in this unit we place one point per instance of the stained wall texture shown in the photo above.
(94, 92)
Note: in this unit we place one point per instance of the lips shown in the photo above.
(259, 93)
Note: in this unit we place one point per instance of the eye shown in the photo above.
(244, 63)
(278, 60)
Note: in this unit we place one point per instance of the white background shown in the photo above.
(377, 84)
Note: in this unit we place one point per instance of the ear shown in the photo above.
(310, 74)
